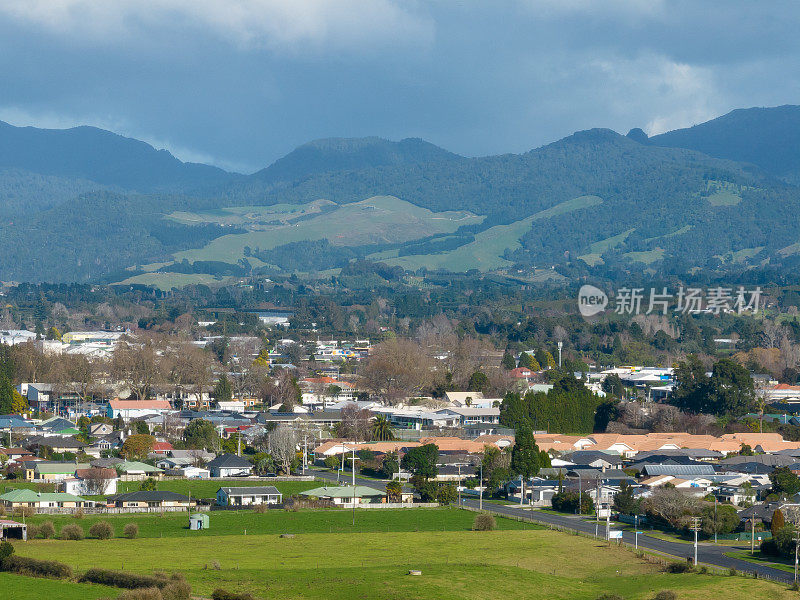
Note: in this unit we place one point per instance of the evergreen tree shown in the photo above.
(223, 391)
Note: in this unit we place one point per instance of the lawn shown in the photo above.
(277, 521)
(535, 564)
(204, 488)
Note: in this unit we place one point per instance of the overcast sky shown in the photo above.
(239, 83)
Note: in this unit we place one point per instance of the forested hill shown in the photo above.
(96, 155)
(593, 200)
(351, 154)
(767, 137)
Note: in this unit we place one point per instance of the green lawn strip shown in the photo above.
(205, 488)
(7, 485)
(758, 558)
(464, 564)
(276, 521)
(19, 587)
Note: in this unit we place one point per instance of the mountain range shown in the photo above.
(84, 204)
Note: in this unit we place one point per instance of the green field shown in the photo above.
(376, 220)
(485, 252)
(535, 564)
(251, 216)
(167, 281)
(647, 257)
(204, 488)
(277, 521)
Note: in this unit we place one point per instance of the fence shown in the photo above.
(104, 510)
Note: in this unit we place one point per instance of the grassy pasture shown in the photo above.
(535, 564)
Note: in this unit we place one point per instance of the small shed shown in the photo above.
(198, 521)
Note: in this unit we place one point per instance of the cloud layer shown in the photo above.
(240, 82)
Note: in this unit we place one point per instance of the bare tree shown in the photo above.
(672, 505)
(283, 447)
(355, 423)
(396, 369)
(96, 481)
(137, 364)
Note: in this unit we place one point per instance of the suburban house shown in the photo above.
(134, 409)
(92, 482)
(151, 499)
(162, 448)
(100, 429)
(245, 496)
(28, 498)
(136, 471)
(345, 495)
(230, 465)
(52, 471)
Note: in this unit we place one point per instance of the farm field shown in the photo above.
(278, 521)
(374, 220)
(486, 251)
(535, 564)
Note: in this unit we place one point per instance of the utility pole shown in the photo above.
(636, 531)
(597, 512)
(753, 534)
(560, 345)
(695, 526)
(580, 498)
(715, 519)
(480, 498)
(796, 544)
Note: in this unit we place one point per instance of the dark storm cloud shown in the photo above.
(241, 82)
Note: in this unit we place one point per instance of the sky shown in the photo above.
(239, 83)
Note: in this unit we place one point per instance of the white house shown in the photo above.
(248, 496)
(134, 409)
(230, 465)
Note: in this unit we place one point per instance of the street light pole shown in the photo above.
(796, 544)
(695, 526)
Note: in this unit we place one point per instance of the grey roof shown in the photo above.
(230, 461)
(773, 460)
(679, 470)
(263, 490)
(689, 452)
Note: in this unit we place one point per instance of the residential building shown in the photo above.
(247, 496)
(230, 465)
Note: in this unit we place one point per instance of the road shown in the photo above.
(707, 553)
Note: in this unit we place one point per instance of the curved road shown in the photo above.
(709, 554)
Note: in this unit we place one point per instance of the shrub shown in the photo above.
(769, 547)
(47, 530)
(733, 572)
(484, 522)
(78, 514)
(177, 590)
(152, 593)
(260, 508)
(34, 567)
(24, 511)
(34, 531)
(122, 579)
(102, 530)
(610, 597)
(6, 550)
(72, 532)
(665, 595)
(130, 531)
(220, 594)
(215, 565)
(703, 570)
(678, 567)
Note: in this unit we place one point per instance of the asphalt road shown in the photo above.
(709, 554)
